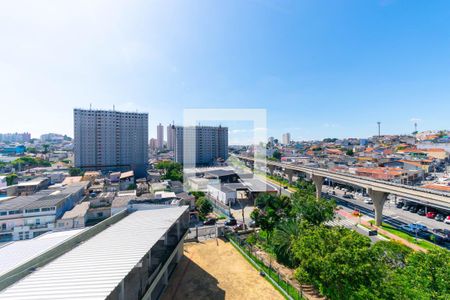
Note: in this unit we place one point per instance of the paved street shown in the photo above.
(392, 212)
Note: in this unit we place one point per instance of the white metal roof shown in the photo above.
(93, 269)
(17, 253)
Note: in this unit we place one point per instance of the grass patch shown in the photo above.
(400, 233)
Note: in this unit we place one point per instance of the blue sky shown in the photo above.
(320, 68)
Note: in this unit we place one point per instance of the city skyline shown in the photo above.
(318, 68)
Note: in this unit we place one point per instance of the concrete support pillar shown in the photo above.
(271, 169)
(318, 182)
(180, 252)
(166, 277)
(378, 199)
(290, 174)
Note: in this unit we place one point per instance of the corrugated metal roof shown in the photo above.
(21, 201)
(16, 253)
(93, 269)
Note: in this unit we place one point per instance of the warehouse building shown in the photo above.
(127, 256)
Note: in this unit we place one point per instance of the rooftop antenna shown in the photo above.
(90, 106)
(379, 128)
(114, 107)
(415, 126)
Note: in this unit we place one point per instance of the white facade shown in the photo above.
(170, 137)
(160, 136)
(111, 140)
(286, 138)
(224, 195)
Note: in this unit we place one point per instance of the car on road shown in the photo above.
(413, 227)
(440, 218)
(431, 214)
(356, 213)
(368, 200)
(447, 220)
(210, 221)
(230, 222)
(348, 196)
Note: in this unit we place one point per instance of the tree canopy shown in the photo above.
(172, 170)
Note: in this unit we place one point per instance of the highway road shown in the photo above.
(390, 212)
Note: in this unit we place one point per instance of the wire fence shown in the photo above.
(267, 269)
(204, 233)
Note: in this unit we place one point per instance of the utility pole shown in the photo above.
(415, 127)
(379, 128)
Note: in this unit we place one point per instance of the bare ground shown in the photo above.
(214, 269)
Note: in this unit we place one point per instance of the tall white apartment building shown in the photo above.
(200, 145)
(111, 140)
(286, 138)
(170, 136)
(160, 136)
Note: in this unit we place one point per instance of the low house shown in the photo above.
(32, 186)
(126, 179)
(74, 218)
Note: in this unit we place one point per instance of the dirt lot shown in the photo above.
(211, 271)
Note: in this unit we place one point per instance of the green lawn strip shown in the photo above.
(420, 242)
(287, 288)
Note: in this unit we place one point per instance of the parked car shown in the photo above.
(210, 221)
(399, 204)
(368, 200)
(406, 207)
(447, 220)
(413, 209)
(238, 227)
(421, 212)
(440, 218)
(230, 222)
(252, 224)
(431, 214)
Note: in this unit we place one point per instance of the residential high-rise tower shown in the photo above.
(200, 145)
(111, 140)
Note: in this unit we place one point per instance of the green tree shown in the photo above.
(31, 150)
(271, 209)
(76, 172)
(426, 275)
(46, 147)
(285, 233)
(306, 207)
(197, 194)
(204, 207)
(349, 152)
(277, 155)
(172, 170)
(336, 260)
(10, 178)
